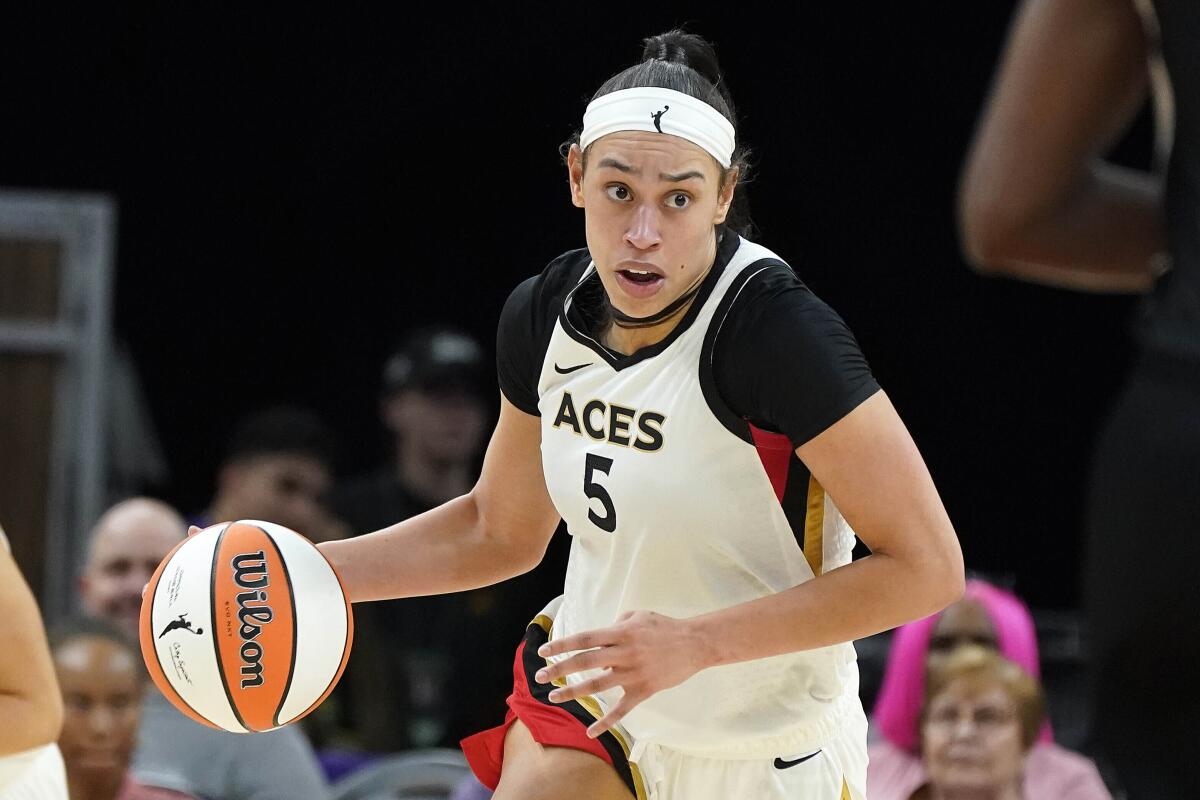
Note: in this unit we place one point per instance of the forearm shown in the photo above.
(30, 704)
(450, 548)
(29, 722)
(874, 594)
(1102, 237)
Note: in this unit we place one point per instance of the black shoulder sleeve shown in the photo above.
(786, 362)
(526, 324)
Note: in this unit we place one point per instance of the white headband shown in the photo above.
(649, 108)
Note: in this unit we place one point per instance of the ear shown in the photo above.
(575, 174)
(725, 198)
(84, 585)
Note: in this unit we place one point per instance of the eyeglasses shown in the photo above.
(986, 719)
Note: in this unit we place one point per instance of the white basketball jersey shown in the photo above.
(672, 511)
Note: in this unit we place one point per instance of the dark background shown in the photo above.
(299, 186)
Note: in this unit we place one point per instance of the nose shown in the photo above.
(964, 727)
(644, 232)
(101, 722)
(135, 580)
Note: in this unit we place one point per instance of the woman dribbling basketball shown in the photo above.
(691, 410)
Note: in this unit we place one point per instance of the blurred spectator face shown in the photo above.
(964, 623)
(285, 488)
(971, 739)
(444, 425)
(127, 545)
(102, 698)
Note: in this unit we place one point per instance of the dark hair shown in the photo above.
(687, 63)
(93, 628)
(282, 431)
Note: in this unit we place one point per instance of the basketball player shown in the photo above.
(1040, 204)
(692, 411)
(31, 708)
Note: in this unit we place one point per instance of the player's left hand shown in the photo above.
(643, 653)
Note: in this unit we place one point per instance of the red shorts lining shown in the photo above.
(550, 724)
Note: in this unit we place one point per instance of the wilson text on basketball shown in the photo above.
(250, 572)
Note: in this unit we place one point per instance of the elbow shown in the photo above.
(990, 234)
(519, 554)
(52, 717)
(38, 720)
(513, 550)
(996, 215)
(954, 583)
(947, 576)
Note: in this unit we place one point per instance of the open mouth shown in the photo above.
(640, 276)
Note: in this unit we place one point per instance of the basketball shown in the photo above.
(245, 626)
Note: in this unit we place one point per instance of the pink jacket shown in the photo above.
(1051, 772)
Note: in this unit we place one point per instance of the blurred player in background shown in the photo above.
(1039, 203)
(31, 711)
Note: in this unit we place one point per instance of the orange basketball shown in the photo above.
(245, 626)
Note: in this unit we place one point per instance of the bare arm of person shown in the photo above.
(498, 530)
(30, 703)
(1037, 202)
(870, 466)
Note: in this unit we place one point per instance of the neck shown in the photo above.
(430, 479)
(629, 340)
(95, 786)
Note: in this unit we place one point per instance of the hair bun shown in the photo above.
(688, 49)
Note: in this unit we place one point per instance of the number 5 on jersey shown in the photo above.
(595, 491)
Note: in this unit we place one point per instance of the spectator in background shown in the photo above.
(986, 617)
(980, 720)
(434, 405)
(31, 767)
(125, 548)
(409, 683)
(278, 467)
(102, 680)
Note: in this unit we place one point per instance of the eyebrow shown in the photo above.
(683, 176)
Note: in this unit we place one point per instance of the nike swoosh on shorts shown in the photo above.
(781, 764)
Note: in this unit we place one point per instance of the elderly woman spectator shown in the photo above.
(980, 721)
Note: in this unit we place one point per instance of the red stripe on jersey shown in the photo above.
(775, 453)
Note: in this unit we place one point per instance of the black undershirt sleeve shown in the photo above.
(526, 324)
(786, 362)
(517, 363)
